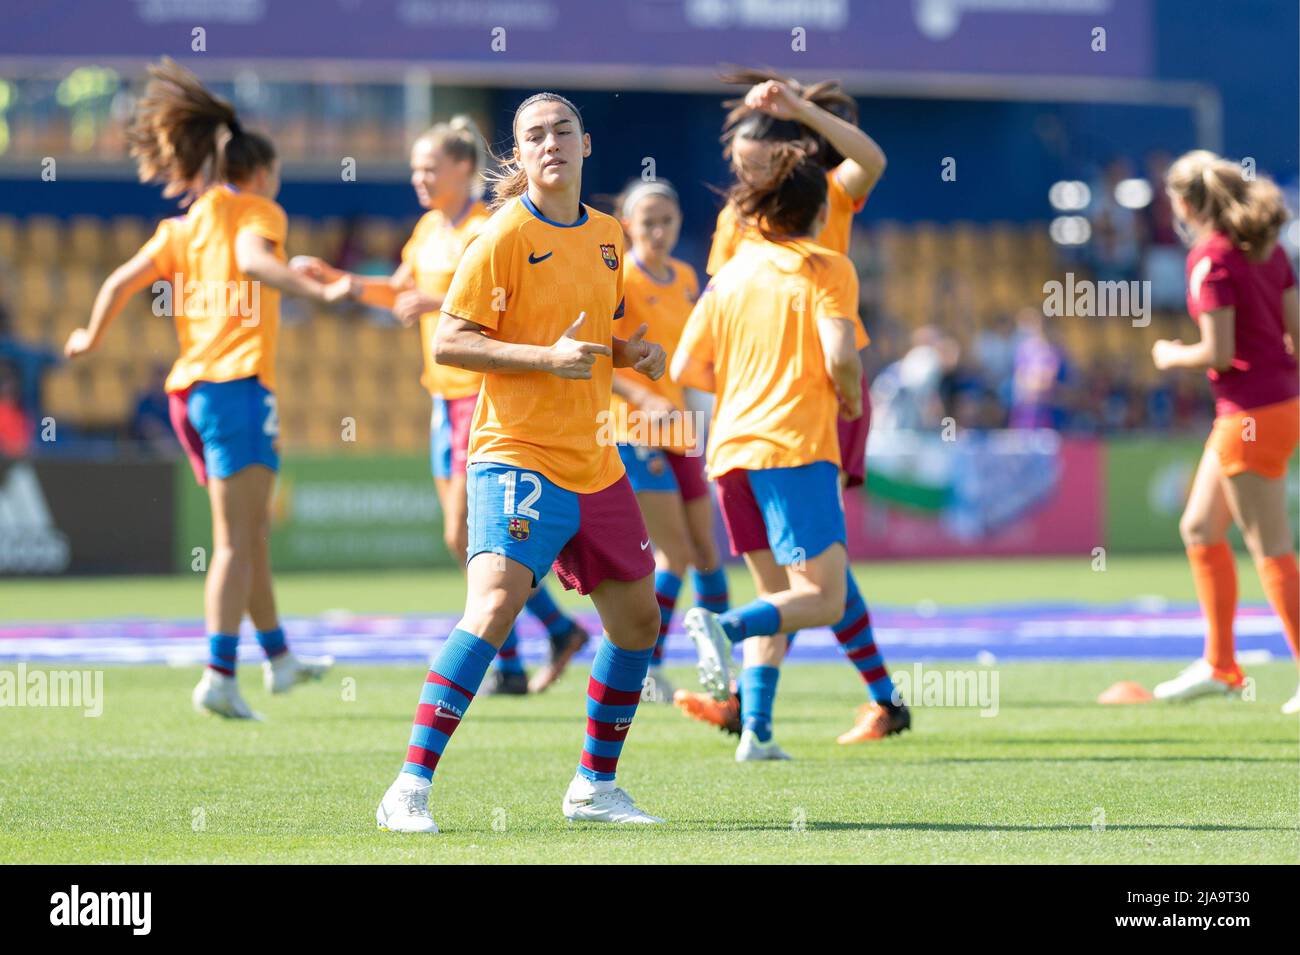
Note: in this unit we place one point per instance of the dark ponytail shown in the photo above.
(786, 204)
(186, 138)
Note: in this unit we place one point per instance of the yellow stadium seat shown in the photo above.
(42, 240)
(86, 241)
(63, 396)
(9, 239)
(126, 235)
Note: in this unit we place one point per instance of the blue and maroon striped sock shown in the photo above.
(508, 658)
(613, 692)
(667, 586)
(711, 589)
(223, 652)
(548, 613)
(453, 679)
(855, 637)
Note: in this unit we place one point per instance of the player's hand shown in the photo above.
(776, 99)
(411, 304)
(850, 399)
(338, 290)
(571, 358)
(79, 343)
(310, 266)
(1163, 351)
(645, 357)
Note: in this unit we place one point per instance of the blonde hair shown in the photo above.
(510, 180)
(460, 140)
(1251, 212)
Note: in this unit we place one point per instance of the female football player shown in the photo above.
(651, 422)
(773, 336)
(532, 306)
(446, 173)
(823, 118)
(224, 260)
(1242, 293)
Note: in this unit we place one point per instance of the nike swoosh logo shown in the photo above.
(621, 727)
(645, 544)
(533, 260)
(441, 714)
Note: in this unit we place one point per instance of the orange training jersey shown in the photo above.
(664, 307)
(731, 231)
(226, 324)
(526, 279)
(432, 253)
(756, 325)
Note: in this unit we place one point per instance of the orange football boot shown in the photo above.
(701, 706)
(877, 722)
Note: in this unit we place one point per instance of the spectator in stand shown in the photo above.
(1116, 231)
(1038, 369)
(15, 425)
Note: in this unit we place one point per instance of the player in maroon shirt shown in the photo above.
(1241, 291)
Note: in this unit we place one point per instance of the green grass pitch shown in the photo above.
(1052, 778)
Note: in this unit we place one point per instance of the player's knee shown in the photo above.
(1195, 529)
(492, 612)
(643, 622)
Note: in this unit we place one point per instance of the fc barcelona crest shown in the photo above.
(609, 255)
(518, 528)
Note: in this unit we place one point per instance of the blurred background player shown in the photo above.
(651, 422)
(773, 449)
(823, 118)
(224, 259)
(446, 173)
(1241, 291)
(543, 489)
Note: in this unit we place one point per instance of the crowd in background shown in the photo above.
(1013, 370)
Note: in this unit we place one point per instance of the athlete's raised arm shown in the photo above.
(864, 159)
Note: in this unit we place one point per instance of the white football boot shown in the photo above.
(1195, 681)
(588, 801)
(1292, 706)
(286, 671)
(657, 687)
(219, 694)
(405, 807)
(714, 650)
(751, 749)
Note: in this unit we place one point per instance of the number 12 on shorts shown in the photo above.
(525, 507)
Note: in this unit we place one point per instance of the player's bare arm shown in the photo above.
(864, 159)
(843, 364)
(463, 344)
(256, 258)
(134, 275)
(376, 291)
(692, 372)
(1214, 350)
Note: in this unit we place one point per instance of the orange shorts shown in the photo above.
(1260, 440)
